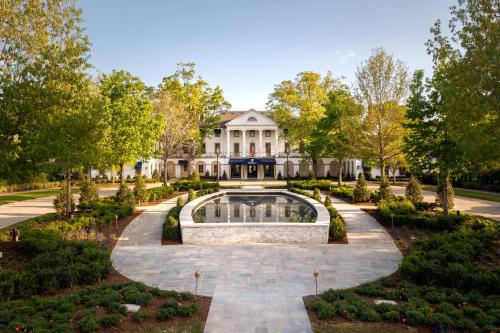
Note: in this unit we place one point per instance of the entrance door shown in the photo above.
(269, 170)
(252, 171)
(235, 171)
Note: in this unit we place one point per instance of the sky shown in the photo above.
(247, 47)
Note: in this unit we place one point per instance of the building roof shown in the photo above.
(227, 116)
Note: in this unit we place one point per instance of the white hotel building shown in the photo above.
(250, 146)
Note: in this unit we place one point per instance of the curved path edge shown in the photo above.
(256, 287)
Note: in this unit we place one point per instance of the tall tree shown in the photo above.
(134, 127)
(337, 133)
(178, 130)
(467, 77)
(428, 145)
(43, 57)
(382, 85)
(299, 104)
(201, 102)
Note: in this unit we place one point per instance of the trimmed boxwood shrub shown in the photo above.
(171, 227)
(323, 185)
(186, 185)
(55, 264)
(158, 193)
(345, 192)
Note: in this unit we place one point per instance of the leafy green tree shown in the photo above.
(361, 192)
(43, 59)
(179, 127)
(428, 145)
(195, 176)
(384, 191)
(133, 127)
(298, 105)
(467, 78)
(382, 85)
(337, 133)
(140, 190)
(413, 191)
(201, 102)
(88, 193)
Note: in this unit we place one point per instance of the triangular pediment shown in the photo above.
(251, 118)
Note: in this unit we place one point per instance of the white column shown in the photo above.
(244, 148)
(277, 143)
(227, 143)
(261, 153)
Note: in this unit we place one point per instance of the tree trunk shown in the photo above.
(382, 169)
(121, 172)
(315, 169)
(113, 174)
(165, 171)
(340, 172)
(445, 195)
(393, 175)
(68, 193)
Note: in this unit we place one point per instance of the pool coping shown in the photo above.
(186, 217)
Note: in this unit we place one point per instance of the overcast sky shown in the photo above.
(247, 47)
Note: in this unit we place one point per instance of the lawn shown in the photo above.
(5, 199)
(469, 194)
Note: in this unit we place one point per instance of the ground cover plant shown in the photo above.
(186, 185)
(445, 282)
(87, 310)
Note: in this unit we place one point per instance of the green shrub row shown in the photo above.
(172, 227)
(159, 193)
(439, 308)
(56, 314)
(323, 185)
(186, 185)
(346, 192)
(337, 229)
(28, 186)
(449, 259)
(55, 263)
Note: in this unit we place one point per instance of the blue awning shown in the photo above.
(138, 165)
(183, 162)
(251, 161)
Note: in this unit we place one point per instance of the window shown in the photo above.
(236, 210)
(268, 211)
(203, 148)
(252, 119)
(267, 133)
(185, 149)
(217, 132)
(287, 147)
(301, 148)
(201, 169)
(217, 147)
(185, 167)
(236, 148)
(252, 134)
(268, 148)
(215, 168)
(236, 134)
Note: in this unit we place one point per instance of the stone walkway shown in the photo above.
(255, 287)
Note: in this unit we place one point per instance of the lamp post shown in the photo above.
(217, 152)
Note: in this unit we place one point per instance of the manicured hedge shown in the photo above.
(172, 227)
(346, 192)
(311, 184)
(186, 185)
(158, 193)
(55, 263)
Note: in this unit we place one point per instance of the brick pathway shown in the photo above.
(256, 287)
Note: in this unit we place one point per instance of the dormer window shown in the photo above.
(252, 119)
(217, 132)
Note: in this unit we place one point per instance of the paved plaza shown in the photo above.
(256, 287)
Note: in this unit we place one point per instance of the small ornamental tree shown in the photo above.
(140, 191)
(88, 193)
(440, 193)
(413, 190)
(180, 201)
(124, 195)
(316, 195)
(61, 201)
(195, 176)
(328, 201)
(224, 175)
(191, 195)
(384, 192)
(361, 192)
(155, 176)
